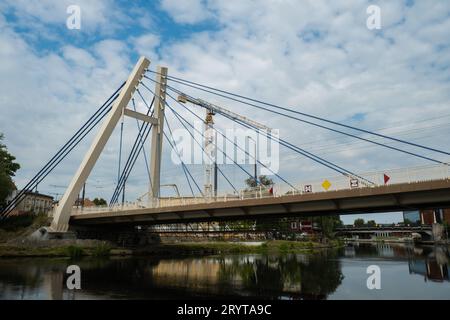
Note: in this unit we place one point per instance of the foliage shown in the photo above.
(8, 168)
(101, 250)
(328, 224)
(371, 223)
(100, 202)
(263, 180)
(359, 222)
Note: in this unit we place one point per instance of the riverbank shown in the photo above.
(76, 248)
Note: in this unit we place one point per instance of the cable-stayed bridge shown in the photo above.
(427, 186)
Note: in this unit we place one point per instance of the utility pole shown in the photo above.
(83, 195)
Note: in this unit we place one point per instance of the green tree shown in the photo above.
(328, 224)
(371, 223)
(8, 168)
(263, 180)
(100, 202)
(359, 222)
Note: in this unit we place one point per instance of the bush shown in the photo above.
(101, 250)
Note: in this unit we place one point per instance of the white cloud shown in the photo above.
(49, 96)
(189, 12)
(96, 16)
(314, 56)
(146, 45)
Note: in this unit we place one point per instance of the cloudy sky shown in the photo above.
(317, 57)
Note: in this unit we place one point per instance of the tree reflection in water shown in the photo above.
(294, 276)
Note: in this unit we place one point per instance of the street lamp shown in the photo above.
(256, 160)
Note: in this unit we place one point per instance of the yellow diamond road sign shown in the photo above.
(326, 184)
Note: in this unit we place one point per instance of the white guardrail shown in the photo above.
(378, 178)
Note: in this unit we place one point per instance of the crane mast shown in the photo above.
(210, 137)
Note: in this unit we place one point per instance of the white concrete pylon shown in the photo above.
(157, 133)
(63, 211)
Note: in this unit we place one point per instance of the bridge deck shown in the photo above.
(405, 196)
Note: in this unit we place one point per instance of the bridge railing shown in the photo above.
(379, 178)
(253, 193)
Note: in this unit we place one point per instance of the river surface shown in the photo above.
(405, 273)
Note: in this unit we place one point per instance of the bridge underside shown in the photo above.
(420, 195)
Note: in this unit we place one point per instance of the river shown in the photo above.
(406, 272)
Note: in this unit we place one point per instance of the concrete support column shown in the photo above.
(157, 134)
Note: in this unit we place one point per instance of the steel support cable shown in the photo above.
(190, 133)
(134, 160)
(55, 164)
(43, 173)
(142, 131)
(130, 162)
(307, 154)
(42, 177)
(301, 150)
(277, 175)
(242, 168)
(177, 115)
(61, 154)
(187, 82)
(410, 132)
(63, 151)
(184, 170)
(143, 148)
(317, 125)
(179, 156)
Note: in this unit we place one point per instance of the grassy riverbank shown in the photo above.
(204, 248)
(78, 248)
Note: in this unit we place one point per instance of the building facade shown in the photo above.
(32, 202)
(427, 217)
